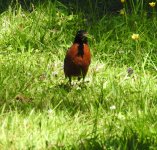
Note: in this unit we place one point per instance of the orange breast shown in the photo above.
(76, 64)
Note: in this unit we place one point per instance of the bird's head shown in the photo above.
(81, 37)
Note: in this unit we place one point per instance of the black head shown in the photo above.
(81, 37)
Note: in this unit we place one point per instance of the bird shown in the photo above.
(78, 57)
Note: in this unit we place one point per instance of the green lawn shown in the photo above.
(114, 109)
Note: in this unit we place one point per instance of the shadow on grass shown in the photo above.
(70, 97)
(98, 7)
(62, 96)
(130, 139)
(130, 143)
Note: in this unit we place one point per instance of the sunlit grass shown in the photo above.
(114, 109)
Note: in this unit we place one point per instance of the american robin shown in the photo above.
(78, 57)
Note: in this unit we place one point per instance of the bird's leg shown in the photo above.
(83, 75)
(70, 80)
(83, 78)
(79, 78)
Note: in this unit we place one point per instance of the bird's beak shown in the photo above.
(87, 35)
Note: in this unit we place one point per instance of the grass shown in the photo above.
(114, 109)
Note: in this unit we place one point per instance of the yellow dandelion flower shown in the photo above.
(122, 11)
(152, 4)
(135, 36)
(122, 1)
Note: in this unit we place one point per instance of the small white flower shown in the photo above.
(26, 122)
(99, 67)
(55, 73)
(50, 111)
(113, 107)
(78, 88)
(121, 116)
